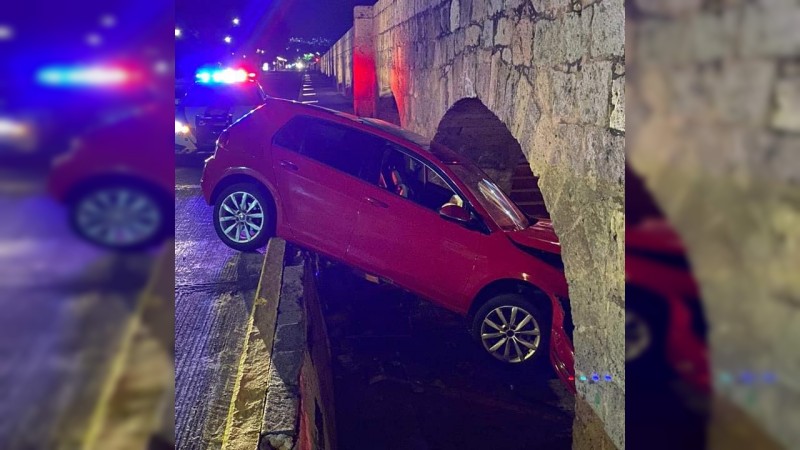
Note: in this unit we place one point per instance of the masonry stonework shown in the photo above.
(552, 72)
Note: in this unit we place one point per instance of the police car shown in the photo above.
(217, 98)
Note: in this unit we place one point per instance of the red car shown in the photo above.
(396, 206)
(119, 186)
(665, 326)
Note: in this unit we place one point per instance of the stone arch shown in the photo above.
(473, 130)
(387, 109)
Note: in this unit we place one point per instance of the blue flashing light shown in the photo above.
(595, 377)
(222, 76)
(62, 76)
(607, 377)
(770, 377)
(203, 77)
(583, 378)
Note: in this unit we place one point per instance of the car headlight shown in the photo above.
(12, 129)
(181, 128)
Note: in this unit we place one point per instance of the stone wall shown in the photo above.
(714, 90)
(338, 63)
(553, 73)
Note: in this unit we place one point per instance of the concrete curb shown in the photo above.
(298, 411)
(245, 412)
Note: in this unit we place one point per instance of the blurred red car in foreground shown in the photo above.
(118, 181)
(665, 326)
(394, 205)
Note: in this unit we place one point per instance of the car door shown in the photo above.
(317, 165)
(399, 234)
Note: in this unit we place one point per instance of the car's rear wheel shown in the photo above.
(243, 217)
(512, 329)
(119, 216)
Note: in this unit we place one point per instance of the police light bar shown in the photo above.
(225, 76)
(82, 76)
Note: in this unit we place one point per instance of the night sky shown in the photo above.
(304, 18)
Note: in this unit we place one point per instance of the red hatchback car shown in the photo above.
(394, 205)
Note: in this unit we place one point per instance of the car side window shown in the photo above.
(340, 147)
(292, 134)
(410, 178)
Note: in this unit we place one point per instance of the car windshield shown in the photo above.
(502, 210)
(244, 94)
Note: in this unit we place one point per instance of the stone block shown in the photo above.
(608, 29)
(742, 91)
(771, 31)
(786, 116)
(507, 55)
(670, 8)
(547, 46)
(487, 37)
(714, 36)
(617, 117)
(502, 35)
(495, 7)
(455, 15)
(592, 93)
(286, 366)
(473, 36)
(550, 8)
(563, 95)
(522, 46)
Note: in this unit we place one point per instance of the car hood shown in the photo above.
(540, 236)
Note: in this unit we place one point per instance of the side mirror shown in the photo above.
(455, 213)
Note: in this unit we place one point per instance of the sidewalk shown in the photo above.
(321, 90)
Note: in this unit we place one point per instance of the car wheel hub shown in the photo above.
(118, 216)
(510, 334)
(638, 337)
(241, 217)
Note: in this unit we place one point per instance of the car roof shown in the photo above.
(378, 127)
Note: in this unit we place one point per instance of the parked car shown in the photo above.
(396, 206)
(216, 100)
(118, 183)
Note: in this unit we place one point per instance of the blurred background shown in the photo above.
(86, 265)
(712, 224)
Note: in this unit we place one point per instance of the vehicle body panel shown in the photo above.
(389, 236)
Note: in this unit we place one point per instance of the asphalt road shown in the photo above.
(64, 306)
(214, 291)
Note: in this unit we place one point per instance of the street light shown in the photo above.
(178, 32)
(236, 21)
(228, 39)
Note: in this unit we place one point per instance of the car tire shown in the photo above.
(645, 332)
(244, 217)
(122, 216)
(509, 339)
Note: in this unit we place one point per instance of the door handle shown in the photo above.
(288, 165)
(376, 202)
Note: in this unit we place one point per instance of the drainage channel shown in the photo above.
(407, 375)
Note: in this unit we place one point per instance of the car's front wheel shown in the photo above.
(512, 329)
(243, 217)
(120, 216)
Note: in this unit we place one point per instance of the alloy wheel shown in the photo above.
(241, 217)
(118, 216)
(510, 334)
(638, 336)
